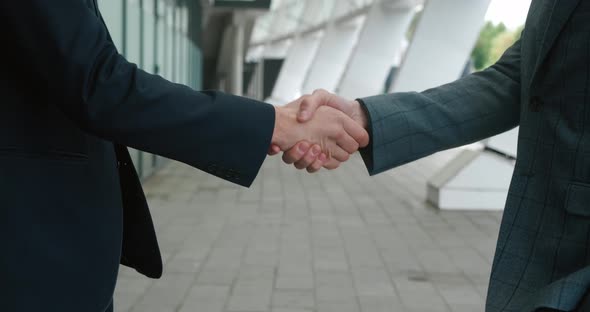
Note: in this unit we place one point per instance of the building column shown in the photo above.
(237, 72)
(460, 184)
(295, 67)
(379, 42)
(441, 45)
(298, 61)
(334, 52)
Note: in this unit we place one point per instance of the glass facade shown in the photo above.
(155, 35)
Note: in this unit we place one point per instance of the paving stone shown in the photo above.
(338, 307)
(294, 281)
(380, 304)
(290, 310)
(299, 299)
(337, 241)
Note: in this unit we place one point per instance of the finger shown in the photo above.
(296, 152)
(356, 131)
(332, 164)
(339, 154)
(273, 150)
(315, 167)
(348, 143)
(310, 157)
(318, 164)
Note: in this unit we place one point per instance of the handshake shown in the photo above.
(320, 130)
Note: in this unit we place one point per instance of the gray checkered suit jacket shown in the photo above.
(541, 84)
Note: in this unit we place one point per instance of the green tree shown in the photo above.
(499, 45)
(493, 41)
(482, 53)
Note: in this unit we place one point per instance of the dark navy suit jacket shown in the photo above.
(71, 205)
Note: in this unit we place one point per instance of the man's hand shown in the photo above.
(309, 104)
(333, 133)
(301, 154)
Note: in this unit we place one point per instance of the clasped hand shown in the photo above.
(319, 130)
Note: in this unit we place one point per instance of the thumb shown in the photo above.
(310, 103)
(307, 109)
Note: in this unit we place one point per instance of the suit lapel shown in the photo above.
(562, 10)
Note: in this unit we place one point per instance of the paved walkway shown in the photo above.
(332, 242)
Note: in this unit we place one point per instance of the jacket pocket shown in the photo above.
(49, 154)
(577, 201)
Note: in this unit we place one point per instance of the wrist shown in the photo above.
(283, 119)
(359, 114)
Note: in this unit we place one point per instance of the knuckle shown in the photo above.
(304, 100)
(339, 158)
(365, 137)
(321, 91)
(287, 159)
(353, 148)
(334, 166)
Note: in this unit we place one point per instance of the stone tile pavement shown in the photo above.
(333, 242)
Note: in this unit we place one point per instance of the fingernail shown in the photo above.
(303, 148)
(315, 150)
(303, 115)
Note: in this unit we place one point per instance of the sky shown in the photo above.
(511, 12)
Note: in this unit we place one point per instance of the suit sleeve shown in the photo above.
(64, 45)
(408, 126)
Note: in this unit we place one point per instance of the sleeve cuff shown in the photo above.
(367, 153)
(241, 143)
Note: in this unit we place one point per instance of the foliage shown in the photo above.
(493, 41)
(499, 45)
(482, 53)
